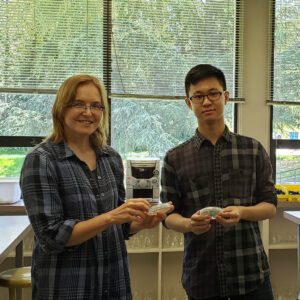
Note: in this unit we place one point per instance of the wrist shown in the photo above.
(243, 212)
(135, 227)
(108, 219)
(187, 225)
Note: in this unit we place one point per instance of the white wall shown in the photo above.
(254, 116)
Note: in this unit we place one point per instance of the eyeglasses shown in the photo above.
(212, 97)
(80, 106)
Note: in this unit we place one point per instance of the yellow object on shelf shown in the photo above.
(290, 192)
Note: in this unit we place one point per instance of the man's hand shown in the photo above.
(230, 215)
(199, 223)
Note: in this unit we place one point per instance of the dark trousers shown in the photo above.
(264, 292)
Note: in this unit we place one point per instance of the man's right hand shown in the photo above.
(199, 223)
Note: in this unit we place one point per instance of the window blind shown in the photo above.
(284, 52)
(155, 43)
(147, 53)
(42, 42)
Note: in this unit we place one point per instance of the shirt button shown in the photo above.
(102, 194)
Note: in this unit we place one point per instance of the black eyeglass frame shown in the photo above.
(200, 98)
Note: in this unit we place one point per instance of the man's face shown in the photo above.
(207, 100)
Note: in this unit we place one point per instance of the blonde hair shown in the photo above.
(65, 96)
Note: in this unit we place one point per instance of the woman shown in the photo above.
(72, 186)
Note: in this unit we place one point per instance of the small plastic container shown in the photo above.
(210, 211)
(161, 207)
(9, 191)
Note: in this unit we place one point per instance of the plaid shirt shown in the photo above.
(235, 171)
(58, 191)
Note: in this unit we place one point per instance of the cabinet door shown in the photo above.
(143, 268)
(283, 266)
(282, 232)
(171, 287)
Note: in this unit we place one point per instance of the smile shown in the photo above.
(85, 121)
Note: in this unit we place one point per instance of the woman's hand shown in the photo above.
(150, 221)
(134, 210)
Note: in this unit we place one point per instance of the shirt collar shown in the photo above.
(64, 151)
(199, 138)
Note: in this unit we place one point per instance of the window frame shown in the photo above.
(30, 141)
(276, 143)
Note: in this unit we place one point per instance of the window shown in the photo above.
(42, 42)
(284, 91)
(154, 44)
(141, 49)
(148, 128)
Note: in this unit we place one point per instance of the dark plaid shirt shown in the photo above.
(59, 190)
(235, 171)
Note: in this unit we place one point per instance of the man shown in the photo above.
(223, 257)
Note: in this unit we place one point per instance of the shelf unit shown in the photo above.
(282, 251)
(155, 263)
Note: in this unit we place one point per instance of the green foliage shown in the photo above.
(287, 168)
(11, 160)
(155, 43)
(163, 125)
(287, 51)
(286, 119)
(43, 42)
(10, 166)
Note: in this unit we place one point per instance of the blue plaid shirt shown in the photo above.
(58, 191)
(236, 171)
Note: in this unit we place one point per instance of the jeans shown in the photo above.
(264, 292)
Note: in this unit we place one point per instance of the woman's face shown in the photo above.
(83, 115)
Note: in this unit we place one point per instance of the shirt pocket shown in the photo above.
(238, 187)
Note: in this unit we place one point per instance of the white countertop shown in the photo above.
(13, 229)
(293, 216)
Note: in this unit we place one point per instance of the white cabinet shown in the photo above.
(282, 250)
(155, 262)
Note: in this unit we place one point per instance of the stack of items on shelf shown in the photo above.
(288, 192)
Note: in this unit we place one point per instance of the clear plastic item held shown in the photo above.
(161, 207)
(210, 211)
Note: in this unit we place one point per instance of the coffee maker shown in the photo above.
(142, 179)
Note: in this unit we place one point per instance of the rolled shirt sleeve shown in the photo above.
(44, 207)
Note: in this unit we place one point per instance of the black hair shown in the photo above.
(203, 71)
